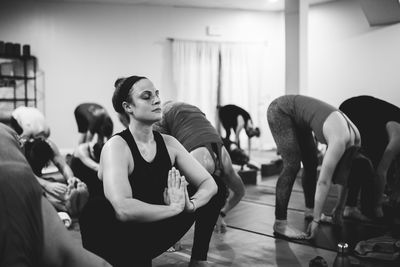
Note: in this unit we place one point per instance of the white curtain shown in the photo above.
(195, 74)
(243, 77)
(244, 83)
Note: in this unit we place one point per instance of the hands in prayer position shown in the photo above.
(176, 194)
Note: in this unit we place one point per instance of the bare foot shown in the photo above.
(281, 227)
(176, 247)
(354, 213)
(76, 198)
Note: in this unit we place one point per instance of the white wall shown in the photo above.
(347, 57)
(83, 48)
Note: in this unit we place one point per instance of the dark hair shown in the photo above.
(103, 125)
(38, 153)
(122, 89)
(107, 127)
(97, 151)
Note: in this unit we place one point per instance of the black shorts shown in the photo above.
(347, 162)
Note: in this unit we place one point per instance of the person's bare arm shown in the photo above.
(233, 181)
(337, 135)
(331, 158)
(82, 153)
(115, 165)
(193, 171)
(60, 163)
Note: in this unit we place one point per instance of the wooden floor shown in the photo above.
(249, 240)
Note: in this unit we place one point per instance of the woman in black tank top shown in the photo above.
(379, 125)
(147, 207)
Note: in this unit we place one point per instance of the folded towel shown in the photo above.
(381, 248)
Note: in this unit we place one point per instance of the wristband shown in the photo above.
(223, 214)
(317, 222)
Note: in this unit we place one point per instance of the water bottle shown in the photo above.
(342, 258)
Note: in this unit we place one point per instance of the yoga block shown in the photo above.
(248, 176)
(272, 168)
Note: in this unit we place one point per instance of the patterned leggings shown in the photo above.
(295, 145)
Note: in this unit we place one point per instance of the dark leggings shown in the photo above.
(295, 145)
(128, 243)
(136, 244)
(361, 179)
(206, 217)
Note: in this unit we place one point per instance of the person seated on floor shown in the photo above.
(189, 125)
(92, 119)
(85, 165)
(235, 118)
(292, 120)
(31, 233)
(146, 203)
(68, 194)
(379, 124)
(29, 123)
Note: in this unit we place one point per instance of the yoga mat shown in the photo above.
(259, 218)
(265, 194)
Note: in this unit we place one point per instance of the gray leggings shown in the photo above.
(295, 145)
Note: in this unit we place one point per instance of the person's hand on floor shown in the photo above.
(312, 229)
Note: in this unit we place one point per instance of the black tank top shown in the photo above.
(370, 115)
(148, 179)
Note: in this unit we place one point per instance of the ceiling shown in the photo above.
(260, 5)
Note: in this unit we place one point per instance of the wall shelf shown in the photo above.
(18, 83)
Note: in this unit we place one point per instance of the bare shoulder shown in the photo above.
(170, 141)
(393, 130)
(393, 126)
(116, 146)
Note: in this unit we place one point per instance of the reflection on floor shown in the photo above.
(249, 240)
